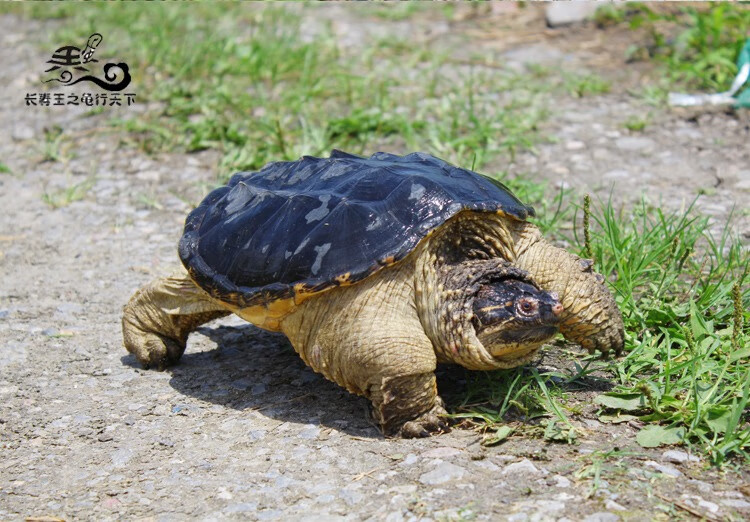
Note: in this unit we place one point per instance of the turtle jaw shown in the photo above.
(507, 345)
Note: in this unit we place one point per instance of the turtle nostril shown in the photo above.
(557, 309)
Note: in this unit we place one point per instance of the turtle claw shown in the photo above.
(431, 423)
(160, 352)
(608, 343)
(151, 349)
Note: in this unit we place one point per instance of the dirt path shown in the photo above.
(241, 428)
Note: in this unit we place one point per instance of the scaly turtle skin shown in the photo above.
(376, 269)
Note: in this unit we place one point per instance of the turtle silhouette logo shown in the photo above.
(70, 57)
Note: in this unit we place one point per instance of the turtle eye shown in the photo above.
(527, 306)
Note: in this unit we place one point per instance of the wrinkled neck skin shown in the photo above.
(452, 266)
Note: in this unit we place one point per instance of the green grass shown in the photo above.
(697, 46)
(580, 85)
(63, 197)
(54, 147)
(687, 371)
(637, 123)
(240, 79)
(685, 376)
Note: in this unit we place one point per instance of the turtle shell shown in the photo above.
(302, 227)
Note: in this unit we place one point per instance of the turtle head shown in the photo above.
(512, 315)
(485, 314)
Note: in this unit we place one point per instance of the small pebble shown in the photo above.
(245, 507)
(410, 459)
(524, 466)
(613, 506)
(679, 457)
(634, 143)
(575, 145)
(121, 457)
(443, 472)
(69, 308)
(22, 132)
(442, 452)
(664, 468)
(710, 506)
(602, 516)
(310, 432)
(735, 503)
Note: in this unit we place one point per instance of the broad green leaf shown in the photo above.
(661, 417)
(654, 436)
(739, 354)
(697, 324)
(622, 401)
(718, 418)
(500, 435)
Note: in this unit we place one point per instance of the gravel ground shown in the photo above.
(241, 429)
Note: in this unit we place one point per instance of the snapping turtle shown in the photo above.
(376, 269)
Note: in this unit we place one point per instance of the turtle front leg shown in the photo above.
(369, 339)
(409, 406)
(591, 317)
(159, 317)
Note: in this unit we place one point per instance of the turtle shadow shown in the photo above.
(245, 368)
(252, 370)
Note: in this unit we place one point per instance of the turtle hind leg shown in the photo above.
(159, 317)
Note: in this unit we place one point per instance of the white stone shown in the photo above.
(710, 506)
(310, 431)
(664, 468)
(602, 516)
(575, 145)
(395, 516)
(486, 464)
(441, 452)
(743, 184)
(735, 503)
(404, 489)
(22, 132)
(524, 466)
(703, 487)
(410, 459)
(679, 457)
(613, 506)
(149, 175)
(634, 143)
(565, 13)
(442, 473)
